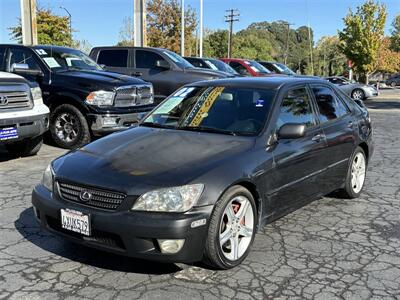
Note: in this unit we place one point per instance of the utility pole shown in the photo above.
(287, 41)
(70, 24)
(201, 29)
(182, 27)
(139, 23)
(28, 22)
(233, 16)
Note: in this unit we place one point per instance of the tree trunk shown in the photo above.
(366, 78)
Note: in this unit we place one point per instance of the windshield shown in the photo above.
(284, 69)
(66, 60)
(220, 65)
(226, 110)
(179, 60)
(256, 67)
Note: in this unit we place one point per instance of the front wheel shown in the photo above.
(232, 229)
(355, 175)
(358, 94)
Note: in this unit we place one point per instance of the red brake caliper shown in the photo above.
(236, 207)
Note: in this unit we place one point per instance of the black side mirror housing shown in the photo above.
(23, 69)
(162, 64)
(291, 131)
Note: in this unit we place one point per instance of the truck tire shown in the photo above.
(68, 127)
(28, 147)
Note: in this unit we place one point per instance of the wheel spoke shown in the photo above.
(243, 209)
(230, 213)
(225, 236)
(235, 247)
(245, 231)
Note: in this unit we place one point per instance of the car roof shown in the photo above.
(261, 82)
(237, 59)
(127, 47)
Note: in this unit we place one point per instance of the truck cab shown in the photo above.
(84, 99)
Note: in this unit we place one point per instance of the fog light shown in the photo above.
(170, 246)
(109, 121)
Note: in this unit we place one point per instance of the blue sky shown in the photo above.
(99, 21)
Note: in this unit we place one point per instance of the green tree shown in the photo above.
(395, 38)
(51, 29)
(362, 35)
(329, 60)
(216, 43)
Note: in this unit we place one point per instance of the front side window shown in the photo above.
(329, 105)
(113, 58)
(23, 56)
(146, 59)
(296, 108)
(238, 67)
(229, 110)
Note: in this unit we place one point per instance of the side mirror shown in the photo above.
(292, 131)
(162, 64)
(23, 69)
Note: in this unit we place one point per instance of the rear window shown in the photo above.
(113, 58)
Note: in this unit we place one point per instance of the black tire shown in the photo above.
(355, 91)
(393, 84)
(348, 191)
(213, 255)
(28, 147)
(81, 131)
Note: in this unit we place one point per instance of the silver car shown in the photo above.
(354, 89)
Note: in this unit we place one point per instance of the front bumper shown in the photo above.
(126, 232)
(371, 93)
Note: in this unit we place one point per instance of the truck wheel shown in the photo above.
(24, 148)
(232, 229)
(68, 127)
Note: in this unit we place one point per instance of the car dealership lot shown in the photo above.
(330, 248)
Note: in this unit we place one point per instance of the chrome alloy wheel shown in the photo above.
(236, 228)
(358, 169)
(358, 95)
(66, 127)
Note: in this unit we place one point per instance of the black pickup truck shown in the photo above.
(166, 70)
(84, 99)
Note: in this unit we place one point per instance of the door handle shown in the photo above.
(318, 137)
(137, 74)
(350, 124)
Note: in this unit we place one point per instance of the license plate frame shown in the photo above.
(76, 221)
(8, 133)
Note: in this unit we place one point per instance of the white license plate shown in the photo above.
(75, 221)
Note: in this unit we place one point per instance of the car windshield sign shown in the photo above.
(67, 60)
(226, 110)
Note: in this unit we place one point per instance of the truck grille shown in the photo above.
(133, 96)
(103, 199)
(14, 100)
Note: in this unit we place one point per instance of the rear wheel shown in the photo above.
(393, 84)
(355, 175)
(232, 229)
(68, 127)
(28, 147)
(358, 94)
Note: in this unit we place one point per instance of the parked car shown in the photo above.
(166, 70)
(23, 116)
(84, 100)
(393, 81)
(227, 156)
(246, 67)
(354, 89)
(278, 68)
(211, 63)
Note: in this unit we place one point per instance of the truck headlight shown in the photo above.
(36, 93)
(100, 98)
(173, 199)
(48, 177)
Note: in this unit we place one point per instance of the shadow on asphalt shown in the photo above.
(28, 227)
(382, 104)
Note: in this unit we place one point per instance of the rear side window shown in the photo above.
(329, 105)
(146, 59)
(113, 58)
(296, 108)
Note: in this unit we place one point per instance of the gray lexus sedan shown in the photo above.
(355, 90)
(207, 168)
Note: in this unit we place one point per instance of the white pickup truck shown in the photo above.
(23, 116)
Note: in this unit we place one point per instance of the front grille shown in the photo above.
(14, 100)
(103, 199)
(133, 96)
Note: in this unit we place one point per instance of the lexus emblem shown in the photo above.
(85, 196)
(3, 100)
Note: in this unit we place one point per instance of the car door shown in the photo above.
(298, 162)
(114, 60)
(162, 78)
(338, 126)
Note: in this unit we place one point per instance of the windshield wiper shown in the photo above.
(206, 129)
(155, 125)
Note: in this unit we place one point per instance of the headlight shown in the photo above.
(36, 93)
(174, 199)
(100, 98)
(47, 179)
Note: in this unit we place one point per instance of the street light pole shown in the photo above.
(182, 27)
(201, 29)
(70, 24)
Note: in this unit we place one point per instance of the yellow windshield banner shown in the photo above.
(205, 107)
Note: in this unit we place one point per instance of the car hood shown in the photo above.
(206, 72)
(142, 159)
(100, 78)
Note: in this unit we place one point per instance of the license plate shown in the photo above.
(8, 133)
(75, 221)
